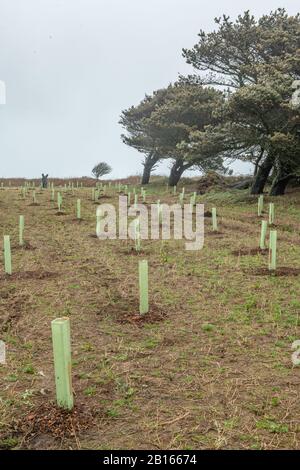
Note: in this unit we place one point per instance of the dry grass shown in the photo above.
(213, 371)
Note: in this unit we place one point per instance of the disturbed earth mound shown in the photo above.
(215, 181)
(211, 181)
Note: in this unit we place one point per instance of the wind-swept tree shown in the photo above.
(256, 61)
(163, 121)
(135, 120)
(101, 169)
(187, 108)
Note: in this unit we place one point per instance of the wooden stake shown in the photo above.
(62, 362)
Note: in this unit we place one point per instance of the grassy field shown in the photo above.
(209, 367)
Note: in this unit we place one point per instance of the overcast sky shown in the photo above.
(71, 66)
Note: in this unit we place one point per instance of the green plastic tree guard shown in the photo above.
(21, 230)
(59, 201)
(7, 255)
(78, 207)
(214, 219)
(271, 213)
(264, 225)
(260, 205)
(61, 341)
(272, 250)
(137, 235)
(143, 283)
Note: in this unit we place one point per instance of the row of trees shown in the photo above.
(237, 106)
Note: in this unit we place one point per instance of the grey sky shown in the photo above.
(71, 66)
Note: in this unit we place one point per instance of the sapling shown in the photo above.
(129, 198)
(7, 255)
(214, 219)
(264, 225)
(174, 190)
(272, 250)
(21, 230)
(62, 362)
(143, 285)
(135, 201)
(33, 197)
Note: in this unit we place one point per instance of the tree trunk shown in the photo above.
(262, 176)
(146, 174)
(149, 163)
(278, 189)
(257, 162)
(284, 176)
(177, 170)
